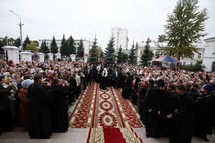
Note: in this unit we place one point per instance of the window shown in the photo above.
(199, 55)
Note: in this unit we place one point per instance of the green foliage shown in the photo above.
(53, 47)
(162, 38)
(36, 42)
(63, 49)
(132, 58)
(100, 53)
(109, 52)
(146, 54)
(26, 42)
(119, 55)
(8, 41)
(44, 48)
(93, 53)
(124, 58)
(80, 52)
(196, 67)
(70, 46)
(17, 42)
(184, 27)
(32, 47)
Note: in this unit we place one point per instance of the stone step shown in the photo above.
(79, 135)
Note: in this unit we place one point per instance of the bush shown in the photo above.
(197, 67)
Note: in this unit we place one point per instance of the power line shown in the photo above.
(7, 21)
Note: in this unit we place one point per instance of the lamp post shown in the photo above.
(20, 28)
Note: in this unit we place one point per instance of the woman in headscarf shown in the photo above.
(24, 103)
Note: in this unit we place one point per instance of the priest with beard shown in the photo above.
(204, 112)
(104, 80)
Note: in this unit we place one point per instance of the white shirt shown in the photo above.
(105, 72)
(78, 79)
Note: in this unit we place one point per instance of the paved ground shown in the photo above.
(78, 135)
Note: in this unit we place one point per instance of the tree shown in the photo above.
(70, 46)
(1, 45)
(32, 47)
(109, 52)
(36, 42)
(44, 48)
(93, 55)
(26, 41)
(132, 58)
(184, 27)
(146, 54)
(8, 41)
(80, 51)
(119, 55)
(53, 46)
(124, 58)
(162, 38)
(63, 49)
(100, 53)
(17, 42)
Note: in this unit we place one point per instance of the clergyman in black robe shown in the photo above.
(156, 98)
(59, 107)
(204, 112)
(182, 117)
(40, 124)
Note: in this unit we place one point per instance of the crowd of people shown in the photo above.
(171, 102)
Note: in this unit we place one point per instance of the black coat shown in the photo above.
(127, 87)
(6, 123)
(155, 100)
(40, 124)
(59, 110)
(203, 112)
(183, 120)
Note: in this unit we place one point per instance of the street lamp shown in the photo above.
(20, 26)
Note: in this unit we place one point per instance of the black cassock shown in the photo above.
(183, 120)
(6, 122)
(40, 124)
(203, 112)
(127, 87)
(155, 100)
(59, 110)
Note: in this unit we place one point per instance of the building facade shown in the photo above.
(185, 61)
(86, 44)
(209, 55)
(120, 37)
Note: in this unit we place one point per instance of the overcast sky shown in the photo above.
(44, 19)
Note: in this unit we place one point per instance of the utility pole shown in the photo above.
(20, 28)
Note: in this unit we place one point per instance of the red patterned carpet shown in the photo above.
(106, 113)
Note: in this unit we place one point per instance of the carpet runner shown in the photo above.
(107, 114)
(112, 135)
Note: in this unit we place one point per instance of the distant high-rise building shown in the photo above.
(120, 37)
